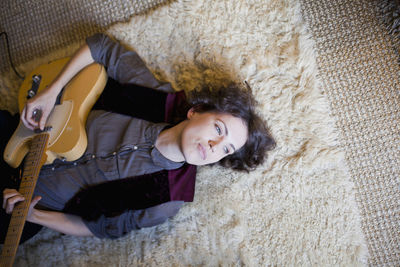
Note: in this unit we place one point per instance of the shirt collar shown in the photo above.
(151, 134)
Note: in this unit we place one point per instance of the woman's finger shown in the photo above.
(43, 119)
(34, 201)
(12, 201)
(23, 118)
(30, 115)
(27, 118)
(7, 193)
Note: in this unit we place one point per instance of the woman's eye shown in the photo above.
(218, 130)
(226, 150)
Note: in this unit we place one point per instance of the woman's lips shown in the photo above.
(202, 151)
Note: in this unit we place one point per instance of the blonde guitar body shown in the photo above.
(67, 135)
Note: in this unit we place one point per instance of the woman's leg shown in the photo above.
(9, 177)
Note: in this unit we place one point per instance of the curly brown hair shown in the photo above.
(240, 103)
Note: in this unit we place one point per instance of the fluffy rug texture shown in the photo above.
(298, 209)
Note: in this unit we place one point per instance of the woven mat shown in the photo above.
(70, 21)
(360, 74)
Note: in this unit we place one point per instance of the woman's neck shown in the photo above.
(169, 142)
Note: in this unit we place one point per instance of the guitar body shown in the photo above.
(67, 135)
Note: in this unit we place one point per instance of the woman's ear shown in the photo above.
(190, 113)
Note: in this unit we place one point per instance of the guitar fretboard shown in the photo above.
(33, 162)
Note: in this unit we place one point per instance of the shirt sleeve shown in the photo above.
(122, 64)
(114, 227)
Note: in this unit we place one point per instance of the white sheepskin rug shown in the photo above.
(298, 209)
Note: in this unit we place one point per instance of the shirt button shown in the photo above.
(135, 147)
(93, 156)
(75, 163)
(114, 153)
(53, 169)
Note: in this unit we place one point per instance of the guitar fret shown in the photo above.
(26, 187)
(26, 183)
(31, 159)
(18, 216)
(9, 246)
(26, 190)
(29, 168)
(13, 235)
(16, 225)
(28, 180)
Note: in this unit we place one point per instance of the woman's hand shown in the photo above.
(37, 109)
(61, 222)
(44, 101)
(12, 197)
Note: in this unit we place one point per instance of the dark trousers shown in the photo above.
(9, 177)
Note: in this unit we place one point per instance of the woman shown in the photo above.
(127, 152)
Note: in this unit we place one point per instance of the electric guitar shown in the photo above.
(64, 136)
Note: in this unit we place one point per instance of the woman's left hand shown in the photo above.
(12, 197)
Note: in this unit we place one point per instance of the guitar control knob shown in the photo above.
(36, 79)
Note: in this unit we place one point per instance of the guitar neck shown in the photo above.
(33, 162)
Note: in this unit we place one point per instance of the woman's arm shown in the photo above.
(104, 227)
(120, 225)
(123, 65)
(61, 222)
(46, 98)
(58, 221)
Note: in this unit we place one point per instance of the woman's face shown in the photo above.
(208, 137)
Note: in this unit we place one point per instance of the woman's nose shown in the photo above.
(213, 143)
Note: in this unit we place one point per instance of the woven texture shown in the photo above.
(50, 25)
(360, 74)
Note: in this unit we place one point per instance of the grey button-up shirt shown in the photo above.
(119, 146)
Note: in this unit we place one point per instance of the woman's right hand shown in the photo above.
(44, 101)
(38, 108)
